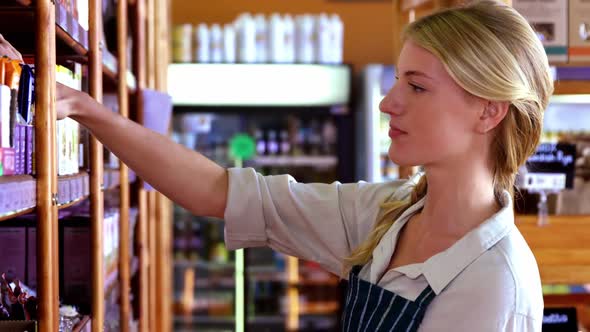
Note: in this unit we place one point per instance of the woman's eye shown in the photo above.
(416, 88)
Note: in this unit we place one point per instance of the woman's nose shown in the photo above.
(391, 103)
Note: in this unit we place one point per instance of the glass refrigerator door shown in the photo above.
(373, 139)
(207, 279)
(256, 289)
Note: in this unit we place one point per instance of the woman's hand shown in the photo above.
(8, 50)
(71, 102)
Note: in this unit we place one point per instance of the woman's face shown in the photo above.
(433, 119)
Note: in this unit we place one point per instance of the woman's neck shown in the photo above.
(458, 199)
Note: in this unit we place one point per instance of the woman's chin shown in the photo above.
(400, 158)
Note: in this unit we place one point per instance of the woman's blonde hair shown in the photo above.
(492, 52)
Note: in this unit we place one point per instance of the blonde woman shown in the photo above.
(439, 252)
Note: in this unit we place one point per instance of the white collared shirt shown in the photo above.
(486, 281)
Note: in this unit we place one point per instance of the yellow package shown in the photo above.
(12, 74)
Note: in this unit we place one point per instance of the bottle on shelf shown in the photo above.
(336, 39)
(260, 142)
(246, 38)
(216, 44)
(272, 143)
(323, 50)
(182, 46)
(229, 43)
(289, 43)
(276, 39)
(202, 43)
(304, 45)
(314, 138)
(329, 137)
(261, 39)
(285, 145)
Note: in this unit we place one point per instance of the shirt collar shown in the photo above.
(440, 269)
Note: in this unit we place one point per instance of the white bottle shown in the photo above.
(337, 40)
(202, 43)
(276, 39)
(304, 44)
(289, 25)
(229, 43)
(216, 37)
(246, 37)
(261, 39)
(323, 38)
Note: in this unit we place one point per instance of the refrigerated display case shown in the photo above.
(372, 126)
(299, 119)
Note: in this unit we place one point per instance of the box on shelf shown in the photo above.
(7, 161)
(13, 248)
(68, 130)
(549, 19)
(579, 31)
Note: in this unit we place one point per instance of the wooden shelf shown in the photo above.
(15, 214)
(47, 35)
(17, 23)
(17, 195)
(72, 203)
(569, 64)
(572, 87)
(561, 247)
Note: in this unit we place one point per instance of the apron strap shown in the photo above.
(423, 300)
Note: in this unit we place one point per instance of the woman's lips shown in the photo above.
(395, 132)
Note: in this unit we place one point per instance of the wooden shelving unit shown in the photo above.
(34, 28)
(572, 87)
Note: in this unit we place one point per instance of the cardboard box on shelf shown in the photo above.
(579, 31)
(549, 19)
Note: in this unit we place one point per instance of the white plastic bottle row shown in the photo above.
(256, 39)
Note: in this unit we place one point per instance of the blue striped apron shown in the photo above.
(372, 308)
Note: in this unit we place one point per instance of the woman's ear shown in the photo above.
(492, 114)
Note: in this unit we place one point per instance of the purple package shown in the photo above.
(17, 150)
(29, 140)
(157, 110)
(23, 144)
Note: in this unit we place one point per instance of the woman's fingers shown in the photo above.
(6, 49)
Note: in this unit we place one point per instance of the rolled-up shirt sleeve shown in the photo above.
(316, 222)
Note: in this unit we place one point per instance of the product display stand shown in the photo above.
(60, 41)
